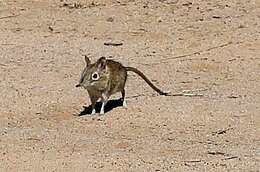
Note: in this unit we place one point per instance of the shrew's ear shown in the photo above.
(87, 61)
(102, 62)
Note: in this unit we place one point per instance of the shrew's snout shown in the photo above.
(78, 85)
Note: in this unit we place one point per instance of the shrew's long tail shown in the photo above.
(132, 69)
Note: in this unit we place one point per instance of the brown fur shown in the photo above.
(107, 77)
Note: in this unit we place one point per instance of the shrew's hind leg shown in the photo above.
(123, 98)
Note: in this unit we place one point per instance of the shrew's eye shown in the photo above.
(95, 76)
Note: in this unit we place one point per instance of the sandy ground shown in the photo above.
(207, 49)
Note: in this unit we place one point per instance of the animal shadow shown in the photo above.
(111, 104)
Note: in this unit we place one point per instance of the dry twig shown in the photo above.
(192, 161)
(186, 94)
(197, 52)
(216, 153)
(221, 131)
(113, 44)
(9, 16)
(228, 158)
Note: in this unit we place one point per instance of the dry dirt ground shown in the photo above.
(209, 50)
